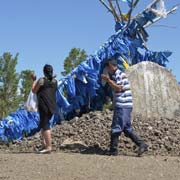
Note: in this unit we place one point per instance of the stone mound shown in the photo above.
(90, 134)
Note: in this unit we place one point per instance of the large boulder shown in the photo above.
(156, 93)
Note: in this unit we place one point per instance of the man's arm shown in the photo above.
(113, 84)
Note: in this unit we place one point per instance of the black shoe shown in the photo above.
(142, 149)
(112, 152)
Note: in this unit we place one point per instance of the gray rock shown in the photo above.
(155, 90)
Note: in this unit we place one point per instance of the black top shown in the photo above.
(47, 95)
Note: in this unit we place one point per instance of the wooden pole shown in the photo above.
(119, 8)
(106, 6)
(158, 18)
(116, 17)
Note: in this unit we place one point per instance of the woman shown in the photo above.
(46, 88)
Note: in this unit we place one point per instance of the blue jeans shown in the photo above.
(121, 121)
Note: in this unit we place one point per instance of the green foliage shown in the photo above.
(26, 84)
(9, 79)
(76, 56)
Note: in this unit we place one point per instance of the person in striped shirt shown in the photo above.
(123, 104)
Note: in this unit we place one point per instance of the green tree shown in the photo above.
(76, 56)
(9, 79)
(26, 84)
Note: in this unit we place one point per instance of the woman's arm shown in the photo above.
(35, 85)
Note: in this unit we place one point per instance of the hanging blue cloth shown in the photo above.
(70, 87)
(19, 123)
(61, 100)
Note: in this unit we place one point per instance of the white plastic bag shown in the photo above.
(32, 103)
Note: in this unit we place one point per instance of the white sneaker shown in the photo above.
(45, 151)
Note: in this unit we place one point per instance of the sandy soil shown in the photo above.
(69, 166)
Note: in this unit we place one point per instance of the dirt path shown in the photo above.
(66, 166)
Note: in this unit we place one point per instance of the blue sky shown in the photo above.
(44, 31)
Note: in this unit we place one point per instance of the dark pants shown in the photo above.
(45, 120)
(121, 121)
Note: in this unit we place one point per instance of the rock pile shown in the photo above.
(90, 134)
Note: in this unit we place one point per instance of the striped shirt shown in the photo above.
(122, 99)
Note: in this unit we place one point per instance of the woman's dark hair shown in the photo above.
(48, 71)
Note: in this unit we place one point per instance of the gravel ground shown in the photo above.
(75, 166)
